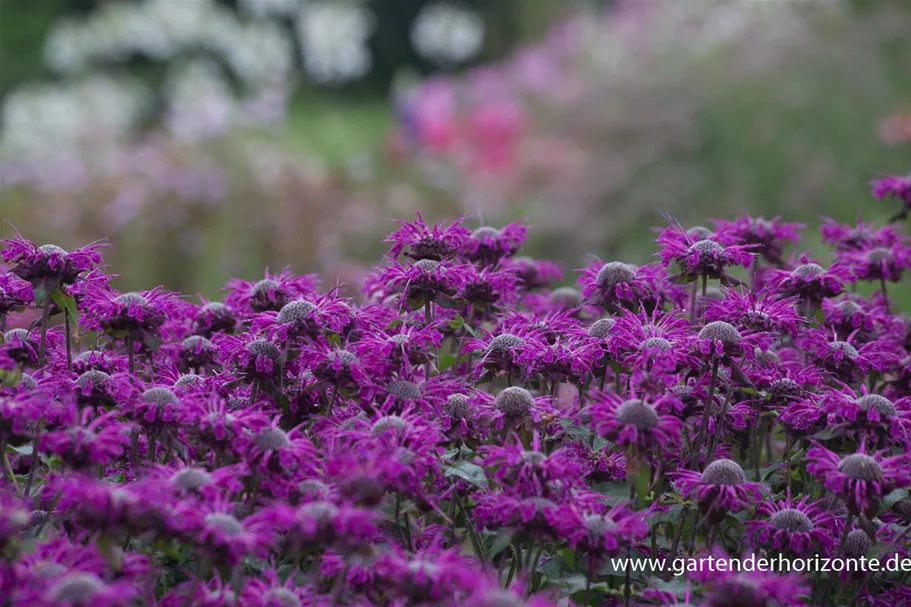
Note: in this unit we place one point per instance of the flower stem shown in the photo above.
(131, 355)
(841, 548)
(69, 339)
(475, 542)
(882, 288)
(45, 316)
(703, 427)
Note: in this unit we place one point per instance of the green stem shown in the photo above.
(703, 427)
(69, 338)
(475, 542)
(45, 316)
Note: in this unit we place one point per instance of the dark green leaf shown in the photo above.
(501, 541)
(24, 449)
(66, 302)
(472, 473)
(616, 490)
(830, 433)
(446, 362)
(894, 497)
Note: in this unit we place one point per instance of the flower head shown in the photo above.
(860, 479)
(418, 241)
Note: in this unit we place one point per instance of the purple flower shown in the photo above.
(48, 266)
(254, 358)
(15, 293)
(729, 587)
(418, 241)
(758, 312)
(533, 274)
(799, 526)
(766, 237)
(136, 316)
(860, 479)
(878, 263)
(87, 440)
(270, 293)
(214, 317)
(702, 257)
(609, 533)
(636, 423)
(614, 284)
(487, 246)
(220, 535)
(423, 281)
(719, 340)
(859, 237)
(897, 187)
(846, 361)
(271, 450)
(720, 488)
(529, 472)
(809, 281)
(303, 319)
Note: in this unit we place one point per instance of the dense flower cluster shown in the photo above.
(466, 432)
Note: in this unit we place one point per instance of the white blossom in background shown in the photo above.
(38, 119)
(447, 33)
(271, 8)
(200, 103)
(333, 37)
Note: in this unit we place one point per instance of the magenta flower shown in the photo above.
(321, 525)
(757, 312)
(48, 266)
(897, 187)
(719, 340)
(214, 317)
(729, 586)
(809, 281)
(800, 527)
(270, 293)
(860, 479)
(253, 358)
(720, 488)
(702, 257)
(303, 319)
(220, 535)
(418, 241)
(15, 293)
(859, 237)
(137, 316)
(878, 263)
(271, 450)
(609, 533)
(529, 472)
(614, 284)
(636, 423)
(847, 361)
(766, 237)
(424, 281)
(487, 246)
(87, 440)
(533, 274)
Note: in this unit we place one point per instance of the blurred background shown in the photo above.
(210, 138)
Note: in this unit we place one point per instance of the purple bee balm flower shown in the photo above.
(847, 361)
(254, 358)
(112, 509)
(704, 257)
(99, 360)
(15, 293)
(800, 527)
(270, 293)
(516, 408)
(86, 440)
(83, 589)
(801, 416)
(334, 366)
(546, 327)
(424, 281)
(659, 337)
(95, 388)
(859, 237)
(614, 284)
(136, 316)
(599, 465)
(271, 591)
(505, 353)
(487, 289)
(220, 535)
(193, 481)
(561, 299)
(48, 266)
(721, 341)
(195, 353)
(809, 281)
(303, 319)
(460, 414)
(768, 237)
(568, 360)
(878, 263)
(19, 416)
(851, 314)
(216, 425)
(609, 533)
(494, 596)
(730, 587)
(528, 472)
(321, 525)
(860, 479)
(22, 346)
(405, 342)
(418, 241)
(273, 451)
(897, 187)
(636, 423)
(539, 518)
(487, 246)
(720, 488)
(214, 317)
(760, 312)
(429, 577)
(870, 416)
(533, 274)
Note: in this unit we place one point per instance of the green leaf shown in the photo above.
(472, 473)
(11, 378)
(446, 362)
(668, 515)
(895, 497)
(24, 449)
(501, 542)
(415, 303)
(457, 322)
(830, 433)
(394, 324)
(614, 489)
(66, 302)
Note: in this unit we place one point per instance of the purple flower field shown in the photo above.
(465, 432)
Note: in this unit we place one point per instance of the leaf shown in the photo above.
(501, 542)
(444, 301)
(66, 302)
(614, 489)
(895, 497)
(415, 303)
(394, 324)
(446, 362)
(830, 433)
(665, 516)
(11, 377)
(24, 449)
(472, 473)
